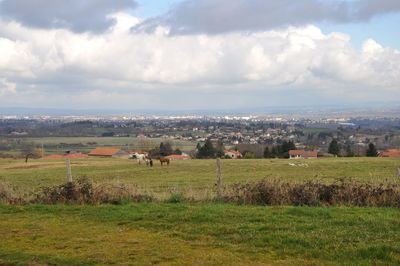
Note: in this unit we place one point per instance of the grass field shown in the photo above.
(197, 176)
(57, 144)
(200, 233)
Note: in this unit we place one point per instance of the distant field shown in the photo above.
(198, 234)
(57, 144)
(195, 176)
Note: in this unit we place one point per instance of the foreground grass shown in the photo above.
(200, 234)
(194, 176)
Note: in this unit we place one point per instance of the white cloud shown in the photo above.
(119, 64)
(221, 16)
(76, 15)
(7, 87)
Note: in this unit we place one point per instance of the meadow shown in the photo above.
(59, 144)
(194, 176)
(200, 233)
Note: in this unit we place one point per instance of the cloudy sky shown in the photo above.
(198, 54)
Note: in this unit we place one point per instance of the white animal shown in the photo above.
(140, 157)
(299, 165)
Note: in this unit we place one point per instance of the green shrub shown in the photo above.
(176, 198)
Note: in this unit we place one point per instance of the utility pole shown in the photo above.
(69, 173)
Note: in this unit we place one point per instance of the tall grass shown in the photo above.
(9, 194)
(83, 191)
(314, 193)
(269, 191)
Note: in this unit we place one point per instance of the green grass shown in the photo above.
(121, 142)
(198, 234)
(197, 176)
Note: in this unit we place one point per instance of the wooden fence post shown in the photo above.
(69, 173)
(219, 181)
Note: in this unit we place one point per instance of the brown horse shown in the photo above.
(164, 160)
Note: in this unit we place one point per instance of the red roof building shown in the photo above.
(108, 152)
(233, 154)
(392, 153)
(302, 154)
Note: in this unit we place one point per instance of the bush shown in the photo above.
(9, 195)
(249, 155)
(85, 192)
(342, 192)
(176, 198)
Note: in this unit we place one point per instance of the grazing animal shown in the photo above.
(164, 160)
(140, 158)
(27, 157)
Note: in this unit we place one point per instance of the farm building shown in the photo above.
(109, 152)
(392, 153)
(233, 154)
(174, 157)
(302, 154)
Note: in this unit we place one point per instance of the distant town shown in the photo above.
(253, 136)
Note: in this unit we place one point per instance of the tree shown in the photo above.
(207, 150)
(145, 144)
(154, 153)
(286, 147)
(27, 147)
(371, 151)
(274, 152)
(165, 149)
(220, 149)
(267, 153)
(107, 134)
(177, 151)
(334, 147)
(349, 151)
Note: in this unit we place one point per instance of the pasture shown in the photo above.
(206, 233)
(60, 144)
(194, 176)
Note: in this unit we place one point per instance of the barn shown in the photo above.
(302, 154)
(233, 154)
(391, 153)
(109, 153)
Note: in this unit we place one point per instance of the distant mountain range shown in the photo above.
(377, 109)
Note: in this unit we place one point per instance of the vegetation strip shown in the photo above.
(264, 192)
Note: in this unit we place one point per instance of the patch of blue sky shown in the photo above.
(152, 8)
(383, 29)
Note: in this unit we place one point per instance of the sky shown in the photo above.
(198, 54)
